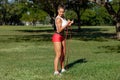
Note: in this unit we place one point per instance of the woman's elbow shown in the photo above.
(59, 31)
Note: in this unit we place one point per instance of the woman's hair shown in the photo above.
(61, 6)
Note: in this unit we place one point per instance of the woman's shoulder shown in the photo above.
(58, 18)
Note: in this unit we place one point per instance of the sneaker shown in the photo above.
(63, 70)
(56, 73)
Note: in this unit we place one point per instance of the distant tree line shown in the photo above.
(82, 11)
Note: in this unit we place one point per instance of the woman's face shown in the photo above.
(61, 12)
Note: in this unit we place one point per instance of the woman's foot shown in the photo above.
(56, 73)
(63, 70)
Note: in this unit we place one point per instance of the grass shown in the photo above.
(26, 53)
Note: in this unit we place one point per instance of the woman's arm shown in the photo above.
(59, 26)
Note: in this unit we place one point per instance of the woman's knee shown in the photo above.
(58, 55)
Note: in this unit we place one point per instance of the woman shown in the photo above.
(58, 39)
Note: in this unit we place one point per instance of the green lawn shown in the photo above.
(26, 53)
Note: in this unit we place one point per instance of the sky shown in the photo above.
(11, 1)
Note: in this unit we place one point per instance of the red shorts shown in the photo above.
(57, 37)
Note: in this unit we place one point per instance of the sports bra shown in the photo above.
(64, 21)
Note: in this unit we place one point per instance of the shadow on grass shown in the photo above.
(85, 34)
(37, 31)
(110, 49)
(20, 38)
(70, 65)
(92, 34)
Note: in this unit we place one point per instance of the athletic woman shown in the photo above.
(59, 40)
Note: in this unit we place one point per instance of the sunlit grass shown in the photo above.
(26, 53)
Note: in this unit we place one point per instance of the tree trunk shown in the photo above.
(118, 30)
(54, 26)
(115, 16)
(52, 21)
(78, 15)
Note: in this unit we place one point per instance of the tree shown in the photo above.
(50, 6)
(70, 14)
(4, 11)
(88, 18)
(15, 12)
(115, 13)
(102, 17)
(10, 12)
(79, 6)
(33, 14)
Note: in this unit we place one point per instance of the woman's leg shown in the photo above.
(57, 48)
(63, 51)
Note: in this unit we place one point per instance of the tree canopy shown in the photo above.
(82, 11)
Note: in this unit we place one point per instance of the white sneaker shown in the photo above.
(63, 70)
(56, 73)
